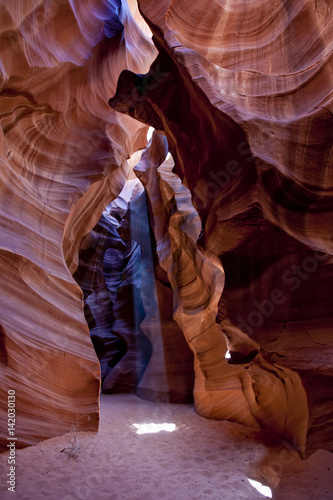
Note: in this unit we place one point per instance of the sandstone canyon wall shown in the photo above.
(63, 159)
(238, 220)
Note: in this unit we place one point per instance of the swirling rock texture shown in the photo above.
(244, 393)
(169, 375)
(128, 305)
(240, 241)
(109, 274)
(63, 158)
(243, 92)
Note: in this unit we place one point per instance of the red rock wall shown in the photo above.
(62, 159)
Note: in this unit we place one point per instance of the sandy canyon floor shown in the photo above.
(192, 459)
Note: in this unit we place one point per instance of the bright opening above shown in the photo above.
(150, 133)
(264, 490)
(154, 428)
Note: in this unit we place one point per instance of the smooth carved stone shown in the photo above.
(242, 349)
(62, 160)
(258, 393)
(242, 91)
(212, 155)
(128, 300)
(109, 274)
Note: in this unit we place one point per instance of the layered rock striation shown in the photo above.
(222, 249)
(63, 158)
(129, 305)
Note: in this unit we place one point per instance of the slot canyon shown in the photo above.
(166, 213)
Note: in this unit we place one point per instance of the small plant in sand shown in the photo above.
(77, 443)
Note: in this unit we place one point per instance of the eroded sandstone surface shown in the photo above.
(220, 252)
(63, 159)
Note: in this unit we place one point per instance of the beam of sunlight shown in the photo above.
(227, 355)
(264, 490)
(154, 428)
